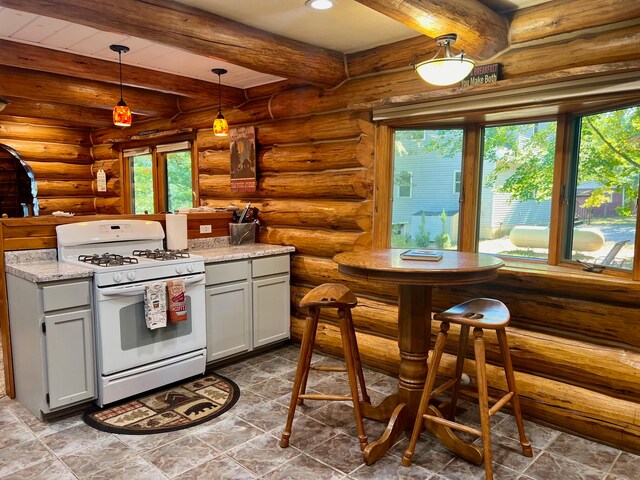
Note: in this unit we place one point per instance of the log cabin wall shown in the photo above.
(574, 338)
(61, 160)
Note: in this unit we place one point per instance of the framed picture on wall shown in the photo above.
(243, 159)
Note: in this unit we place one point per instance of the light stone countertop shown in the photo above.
(42, 265)
(239, 252)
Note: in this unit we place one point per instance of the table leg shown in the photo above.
(414, 338)
(414, 341)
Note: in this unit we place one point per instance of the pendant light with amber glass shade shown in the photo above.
(121, 113)
(220, 125)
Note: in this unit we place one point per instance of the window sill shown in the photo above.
(566, 281)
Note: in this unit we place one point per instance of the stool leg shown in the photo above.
(356, 360)
(346, 326)
(426, 394)
(527, 451)
(303, 369)
(483, 399)
(312, 342)
(462, 348)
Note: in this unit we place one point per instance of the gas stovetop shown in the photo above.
(124, 251)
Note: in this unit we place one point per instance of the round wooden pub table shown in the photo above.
(415, 278)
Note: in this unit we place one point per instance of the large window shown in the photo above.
(602, 227)
(161, 177)
(425, 209)
(515, 195)
(556, 188)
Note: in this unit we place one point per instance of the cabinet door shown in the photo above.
(270, 310)
(228, 320)
(70, 358)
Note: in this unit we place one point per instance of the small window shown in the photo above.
(424, 162)
(603, 218)
(457, 176)
(161, 177)
(404, 181)
(517, 179)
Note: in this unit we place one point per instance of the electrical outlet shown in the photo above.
(205, 228)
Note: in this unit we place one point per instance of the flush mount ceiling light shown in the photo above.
(319, 4)
(446, 70)
(220, 125)
(121, 113)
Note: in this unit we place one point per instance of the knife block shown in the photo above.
(241, 233)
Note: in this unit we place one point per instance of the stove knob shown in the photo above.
(117, 277)
(178, 269)
(190, 268)
(131, 275)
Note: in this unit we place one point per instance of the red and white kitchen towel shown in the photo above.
(156, 297)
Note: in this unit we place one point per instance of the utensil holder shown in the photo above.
(241, 233)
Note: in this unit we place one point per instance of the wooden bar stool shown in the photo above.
(329, 295)
(480, 313)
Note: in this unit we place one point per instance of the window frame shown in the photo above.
(159, 169)
(473, 126)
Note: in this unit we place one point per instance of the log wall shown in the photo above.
(61, 161)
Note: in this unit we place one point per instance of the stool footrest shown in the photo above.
(337, 398)
(328, 369)
(453, 425)
(443, 388)
(500, 403)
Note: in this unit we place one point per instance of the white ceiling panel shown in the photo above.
(39, 29)
(96, 43)
(70, 35)
(11, 21)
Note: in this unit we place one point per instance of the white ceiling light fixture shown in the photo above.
(319, 4)
(446, 70)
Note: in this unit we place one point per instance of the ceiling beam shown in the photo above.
(196, 31)
(61, 114)
(22, 55)
(46, 87)
(482, 33)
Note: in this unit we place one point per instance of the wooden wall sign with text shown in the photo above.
(243, 159)
(483, 74)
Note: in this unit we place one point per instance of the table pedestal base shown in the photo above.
(400, 419)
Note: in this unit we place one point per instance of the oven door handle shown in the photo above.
(138, 289)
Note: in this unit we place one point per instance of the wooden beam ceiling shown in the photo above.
(21, 55)
(482, 33)
(196, 31)
(61, 114)
(47, 87)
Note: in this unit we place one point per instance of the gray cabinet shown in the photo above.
(247, 305)
(52, 343)
(271, 302)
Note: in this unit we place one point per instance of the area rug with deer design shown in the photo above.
(171, 408)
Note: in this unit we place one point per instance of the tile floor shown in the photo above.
(243, 443)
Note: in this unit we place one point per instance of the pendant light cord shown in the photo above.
(219, 96)
(120, 63)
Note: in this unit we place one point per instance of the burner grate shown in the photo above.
(158, 254)
(107, 259)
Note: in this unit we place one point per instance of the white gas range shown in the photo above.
(127, 256)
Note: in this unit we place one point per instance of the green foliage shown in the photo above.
(179, 186)
(423, 239)
(142, 176)
(443, 240)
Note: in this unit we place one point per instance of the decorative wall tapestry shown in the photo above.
(243, 159)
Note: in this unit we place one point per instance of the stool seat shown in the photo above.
(484, 313)
(329, 295)
(479, 313)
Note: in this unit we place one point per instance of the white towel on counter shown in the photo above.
(155, 305)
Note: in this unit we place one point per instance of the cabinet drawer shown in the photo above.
(270, 265)
(66, 295)
(226, 272)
